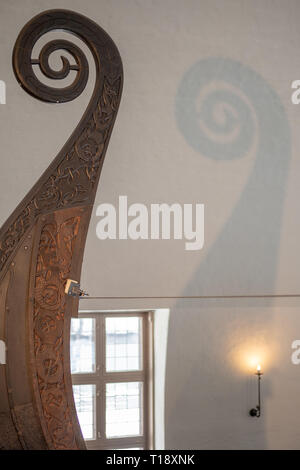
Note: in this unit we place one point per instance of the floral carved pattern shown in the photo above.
(53, 267)
(75, 177)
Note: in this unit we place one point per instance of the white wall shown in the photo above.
(213, 350)
(250, 189)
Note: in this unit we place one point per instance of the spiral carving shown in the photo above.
(23, 66)
(73, 175)
(76, 24)
(52, 94)
(81, 66)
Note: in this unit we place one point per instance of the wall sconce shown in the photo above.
(257, 411)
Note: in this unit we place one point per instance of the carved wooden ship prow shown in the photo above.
(42, 242)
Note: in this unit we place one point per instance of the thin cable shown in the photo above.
(254, 296)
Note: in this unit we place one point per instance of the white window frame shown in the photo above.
(101, 377)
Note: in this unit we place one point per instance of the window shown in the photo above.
(111, 365)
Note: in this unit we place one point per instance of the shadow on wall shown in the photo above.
(204, 394)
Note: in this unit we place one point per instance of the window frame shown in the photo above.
(101, 377)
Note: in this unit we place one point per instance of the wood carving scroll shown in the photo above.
(42, 242)
(53, 267)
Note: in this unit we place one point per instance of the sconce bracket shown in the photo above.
(254, 412)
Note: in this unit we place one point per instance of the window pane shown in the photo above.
(123, 343)
(84, 396)
(82, 345)
(124, 409)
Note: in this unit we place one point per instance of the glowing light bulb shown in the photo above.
(258, 368)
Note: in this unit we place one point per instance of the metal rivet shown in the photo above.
(25, 247)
